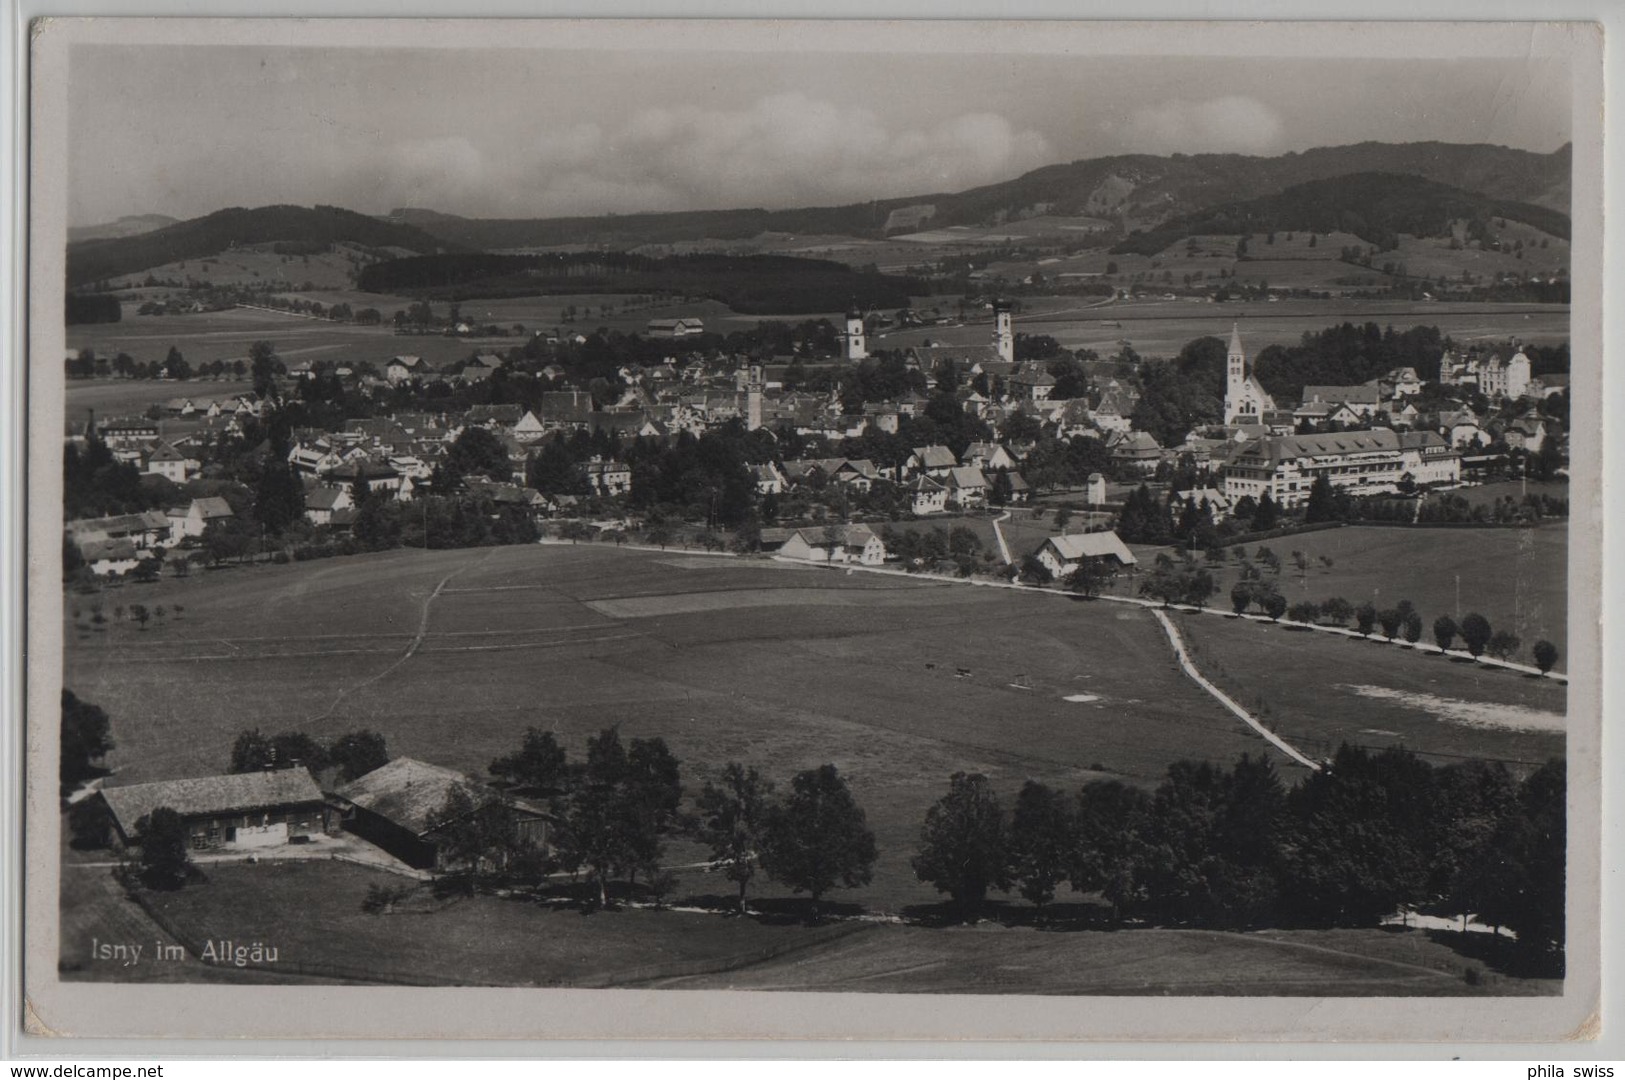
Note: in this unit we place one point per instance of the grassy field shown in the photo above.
(1162, 327)
(542, 636)
(130, 397)
(227, 336)
(1516, 578)
(897, 681)
(311, 913)
(1377, 695)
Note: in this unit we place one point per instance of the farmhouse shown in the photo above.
(110, 556)
(674, 328)
(836, 543)
(197, 515)
(1061, 555)
(401, 368)
(398, 807)
(242, 810)
(168, 462)
(143, 529)
(1285, 467)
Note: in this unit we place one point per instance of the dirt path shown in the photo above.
(1224, 699)
(411, 646)
(998, 534)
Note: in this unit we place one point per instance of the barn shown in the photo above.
(236, 811)
(396, 807)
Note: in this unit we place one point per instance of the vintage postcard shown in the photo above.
(849, 530)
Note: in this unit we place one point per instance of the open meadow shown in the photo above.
(1157, 327)
(898, 681)
(312, 912)
(1515, 577)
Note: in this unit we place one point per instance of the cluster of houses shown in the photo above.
(1261, 449)
(1373, 439)
(117, 544)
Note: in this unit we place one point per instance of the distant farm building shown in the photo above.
(1061, 555)
(674, 328)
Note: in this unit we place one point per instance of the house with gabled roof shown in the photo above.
(926, 496)
(934, 461)
(170, 463)
(401, 368)
(400, 806)
(1061, 555)
(237, 811)
(323, 502)
(835, 544)
(193, 519)
(967, 486)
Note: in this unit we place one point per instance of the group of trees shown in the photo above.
(1350, 844)
(615, 809)
(353, 754)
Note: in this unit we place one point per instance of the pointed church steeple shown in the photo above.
(1235, 339)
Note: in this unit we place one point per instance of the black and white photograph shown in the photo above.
(1096, 523)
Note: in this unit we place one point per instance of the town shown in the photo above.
(825, 456)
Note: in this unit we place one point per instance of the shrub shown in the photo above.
(1337, 611)
(1445, 631)
(1503, 645)
(1365, 618)
(1545, 655)
(1476, 633)
(1304, 611)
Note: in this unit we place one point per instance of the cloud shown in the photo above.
(783, 150)
(1234, 125)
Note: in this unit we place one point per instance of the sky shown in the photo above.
(527, 132)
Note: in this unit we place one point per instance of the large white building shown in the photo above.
(1285, 466)
(1245, 399)
(1493, 376)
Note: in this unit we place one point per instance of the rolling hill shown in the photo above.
(128, 225)
(298, 226)
(1373, 206)
(1136, 190)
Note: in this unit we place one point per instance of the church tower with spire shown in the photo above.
(1245, 400)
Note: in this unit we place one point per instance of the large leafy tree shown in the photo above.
(1110, 856)
(819, 837)
(540, 764)
(86, 737)
(475, 452)
(165, 863)
(733, 816)
(1360, 839)
(1041, 841)
(964, 849)
(358, 753)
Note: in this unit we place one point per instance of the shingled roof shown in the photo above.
(407, 792)
(208, 795)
